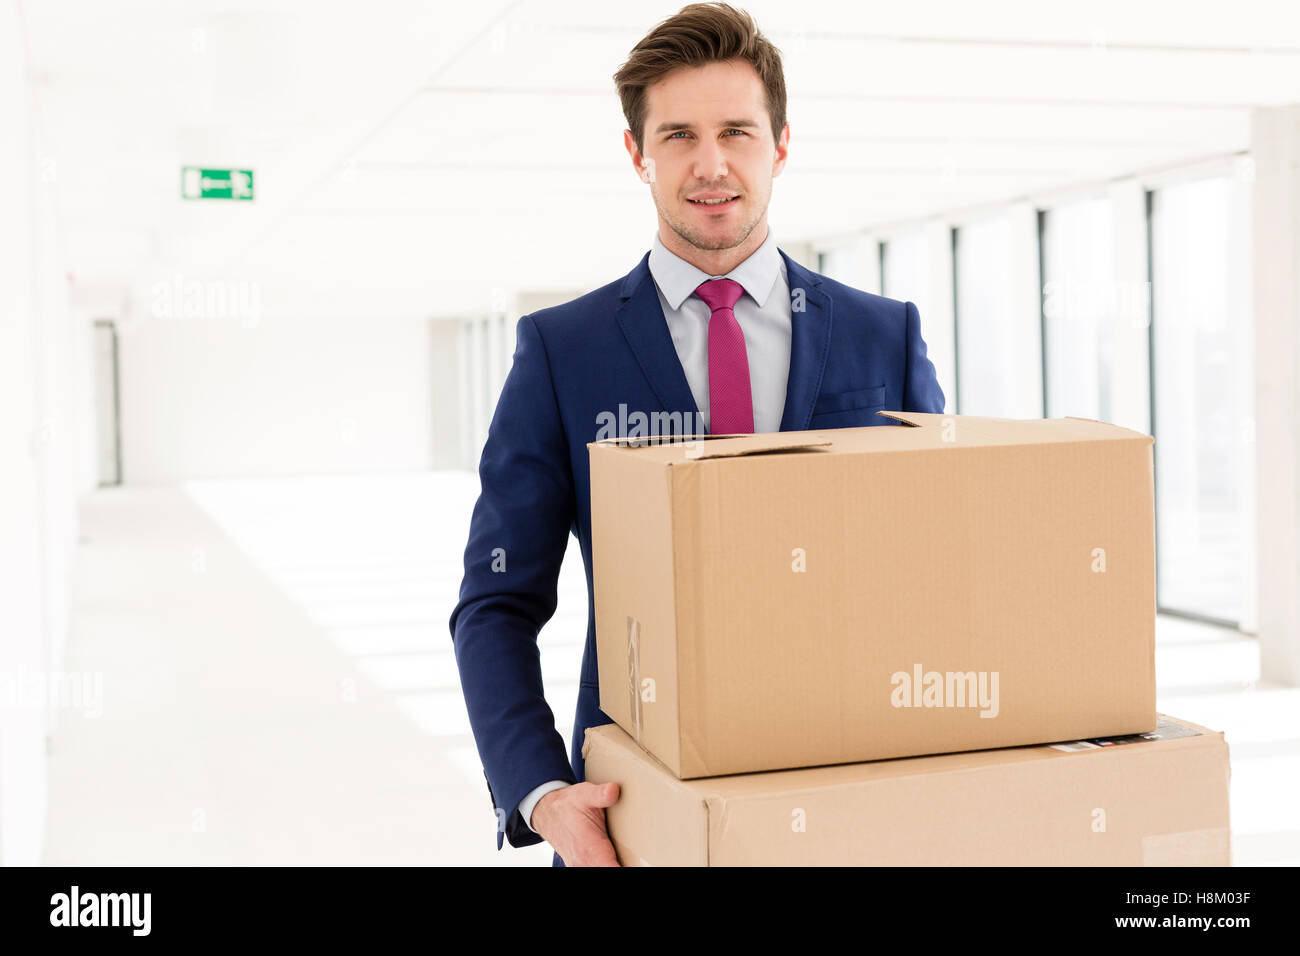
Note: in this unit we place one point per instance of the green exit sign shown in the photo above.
(198, 183)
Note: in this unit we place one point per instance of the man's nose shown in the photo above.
(710, 161)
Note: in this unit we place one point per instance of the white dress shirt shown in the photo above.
(764, 314)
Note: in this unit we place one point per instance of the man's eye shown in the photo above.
(672, 135)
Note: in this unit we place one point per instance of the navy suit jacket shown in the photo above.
(851, 354)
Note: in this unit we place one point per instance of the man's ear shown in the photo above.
(782, 150)
(644, 166)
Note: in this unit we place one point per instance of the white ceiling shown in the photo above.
(419, 156)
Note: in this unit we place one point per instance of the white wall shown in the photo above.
(252, 395)
(43, 356)
(22, 730)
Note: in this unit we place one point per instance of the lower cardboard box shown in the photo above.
(1155, 799)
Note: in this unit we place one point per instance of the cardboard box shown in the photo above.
(806, 598)
(1159, 800)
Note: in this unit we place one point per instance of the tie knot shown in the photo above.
(720, 293)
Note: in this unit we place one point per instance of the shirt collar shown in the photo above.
(678, 279)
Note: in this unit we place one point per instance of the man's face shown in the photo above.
(708, 136)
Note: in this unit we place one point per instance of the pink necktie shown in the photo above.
(731, 405)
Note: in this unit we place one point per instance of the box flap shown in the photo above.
(988, 430)
(915, 419)
(722, 446)
(644, 441)
(729, 447)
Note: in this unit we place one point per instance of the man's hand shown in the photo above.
(572, 821)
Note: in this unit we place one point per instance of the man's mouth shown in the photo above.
(713, 203)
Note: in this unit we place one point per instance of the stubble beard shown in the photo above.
(704, 241)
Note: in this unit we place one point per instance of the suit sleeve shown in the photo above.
(517, 538)
(921, 391)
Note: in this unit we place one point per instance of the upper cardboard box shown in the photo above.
(803, 598)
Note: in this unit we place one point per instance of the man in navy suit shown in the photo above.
(714, 329)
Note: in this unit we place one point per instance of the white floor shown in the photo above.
(279, 685)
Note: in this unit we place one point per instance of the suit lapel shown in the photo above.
(810, 339)
(641, 318)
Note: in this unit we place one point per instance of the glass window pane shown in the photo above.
(906, 276)
(1078, 308)
(843, 264)
(1196, 413)
(906, 270)
(985, 356)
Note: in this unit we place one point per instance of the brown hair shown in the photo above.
(698, 34)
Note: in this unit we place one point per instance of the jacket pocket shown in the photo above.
(844, 401)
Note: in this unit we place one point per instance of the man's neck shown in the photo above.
(714, 262)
